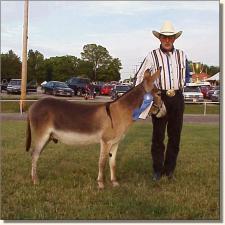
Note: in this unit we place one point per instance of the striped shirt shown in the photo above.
(174, 69)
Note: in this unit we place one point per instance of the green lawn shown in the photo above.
(199, 108)
(68, 188)
(13, 106)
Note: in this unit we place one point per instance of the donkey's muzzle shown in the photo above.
(162, 111)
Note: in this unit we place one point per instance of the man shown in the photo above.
(174, 75)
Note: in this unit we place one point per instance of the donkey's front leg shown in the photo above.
(112, 164)
(104, 151)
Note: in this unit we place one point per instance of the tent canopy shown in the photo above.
(215, 77)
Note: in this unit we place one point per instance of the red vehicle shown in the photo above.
(204, 90)
(106, 89)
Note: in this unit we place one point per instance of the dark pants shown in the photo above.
(165, 162)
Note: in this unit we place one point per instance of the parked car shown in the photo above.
(14, 86)
(98, 87)
(57, 88)
(215, 97)
(4, 85)
(113, 82)
(203, 85)
(32, 86)
(211, 91)
(119, 90)
(106, 89)
(192, 94)
(78, 84)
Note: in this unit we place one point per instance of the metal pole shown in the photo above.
(204, 108)
(24, 58)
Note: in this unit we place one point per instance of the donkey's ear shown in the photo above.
(156, 74)
(147, 74)
(149, 80)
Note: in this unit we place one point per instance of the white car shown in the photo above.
(14, 86)
(192, 94)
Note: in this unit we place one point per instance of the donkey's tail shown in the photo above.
(28, 135)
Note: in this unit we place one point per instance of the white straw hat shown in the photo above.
(167, 29)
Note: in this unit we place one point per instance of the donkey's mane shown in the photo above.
(131, 99)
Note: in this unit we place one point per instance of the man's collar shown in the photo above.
(165, 51)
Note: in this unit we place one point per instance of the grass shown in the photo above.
(29, 96)
(13, 107)
(199, 109)
(68, 188)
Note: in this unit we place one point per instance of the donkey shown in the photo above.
(51, 119)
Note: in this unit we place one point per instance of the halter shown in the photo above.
(157, 107)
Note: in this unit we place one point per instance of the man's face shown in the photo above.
(167, 42)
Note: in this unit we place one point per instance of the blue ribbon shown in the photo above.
(148, 98)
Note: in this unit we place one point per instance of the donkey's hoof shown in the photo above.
(35, 181)
(115, 184)
(101, 185)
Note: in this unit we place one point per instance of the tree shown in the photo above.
(110, 71)
(63, 67)
(96, 64)
(35, 66)
(85, 69)
(212, 70)
(96, 55)
(114, 67)
(48, 70)
(10, 65)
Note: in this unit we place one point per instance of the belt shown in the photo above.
(170, 92)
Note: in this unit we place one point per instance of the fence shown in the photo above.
(79, 100)
(205, 105)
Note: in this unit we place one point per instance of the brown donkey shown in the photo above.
(74, 123)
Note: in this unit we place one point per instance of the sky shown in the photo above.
(124, 28)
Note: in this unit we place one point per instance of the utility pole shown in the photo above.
(135, 68)
(24, 58)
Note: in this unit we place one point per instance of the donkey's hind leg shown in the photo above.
(104, 151)
(112, 164)
(39, 144)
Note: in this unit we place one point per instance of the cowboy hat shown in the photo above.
(167, 29)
